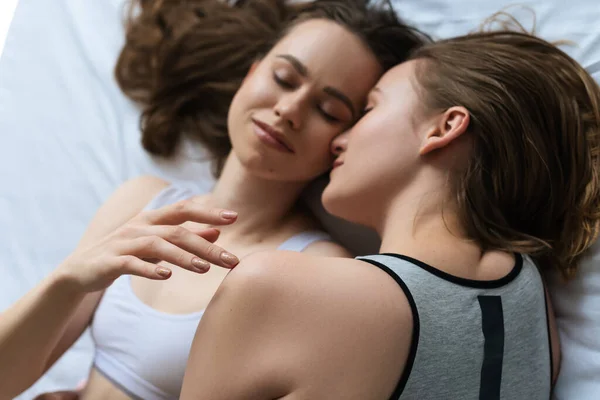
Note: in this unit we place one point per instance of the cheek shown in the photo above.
(382, 135)
(235, 115)
(317, 145)
(257, 91)
(315, 159)
(254, 94)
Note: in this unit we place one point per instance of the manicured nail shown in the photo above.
(228, 214)
(200, 264)
(229, 259)
(164, 272)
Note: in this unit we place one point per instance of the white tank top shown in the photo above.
(144, 351)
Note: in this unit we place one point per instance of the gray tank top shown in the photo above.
(473, 339)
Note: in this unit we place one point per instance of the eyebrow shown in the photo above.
(298, 66)
(302, 70)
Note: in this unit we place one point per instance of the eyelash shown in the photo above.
(328, 117)
(287, 85)
(282, 83)
(365, 111)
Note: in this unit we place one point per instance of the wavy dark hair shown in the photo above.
(183, 60)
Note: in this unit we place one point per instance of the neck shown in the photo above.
(420, 225)
(261, 204)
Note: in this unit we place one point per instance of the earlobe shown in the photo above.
(450, 126)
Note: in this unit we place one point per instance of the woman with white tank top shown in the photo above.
(141, 276)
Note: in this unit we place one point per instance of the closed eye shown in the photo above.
(283, 83)
(328, 117)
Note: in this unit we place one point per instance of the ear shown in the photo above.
(449, 127)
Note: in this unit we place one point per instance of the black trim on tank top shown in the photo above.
(492, 326)
(464, 281)
(414, 342)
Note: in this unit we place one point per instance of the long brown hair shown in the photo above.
(532, 182)
(183, 60)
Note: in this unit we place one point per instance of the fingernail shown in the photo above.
(164, 272)
(229, 259)
(200, 264)
(228, 214)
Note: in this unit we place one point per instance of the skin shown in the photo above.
(295, 326)
(290, 89)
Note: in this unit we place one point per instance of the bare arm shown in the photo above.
(43, 324)
(294, 326)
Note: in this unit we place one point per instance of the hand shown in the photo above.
(148, 238)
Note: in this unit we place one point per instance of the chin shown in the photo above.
(347, 204)
(333, 201)
(264, 168)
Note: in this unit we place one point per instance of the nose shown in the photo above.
(339, 144)
(289, 108)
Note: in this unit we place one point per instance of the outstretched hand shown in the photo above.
(150, 237)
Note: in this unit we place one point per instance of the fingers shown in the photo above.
(179, 246)
(196, 245)
(133, 265)
(157, 248)
(210, 234)
(189, 210)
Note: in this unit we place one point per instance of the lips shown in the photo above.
(337, 163)
(274, 134)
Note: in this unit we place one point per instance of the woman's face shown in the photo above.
(308, 89)
(380, 155)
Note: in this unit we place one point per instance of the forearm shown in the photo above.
(30, 330)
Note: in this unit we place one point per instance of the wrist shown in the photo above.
(65, 282)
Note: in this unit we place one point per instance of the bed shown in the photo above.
(69, 138)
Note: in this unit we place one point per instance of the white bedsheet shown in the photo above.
(69, 137)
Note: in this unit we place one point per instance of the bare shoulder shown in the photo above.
(336, 313)
(135, 193)
(343, 283)
(281, 268)
(143, 187)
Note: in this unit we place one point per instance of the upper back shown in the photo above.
(473, 339)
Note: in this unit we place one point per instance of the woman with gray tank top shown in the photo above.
(477, 162)
(265, 85)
